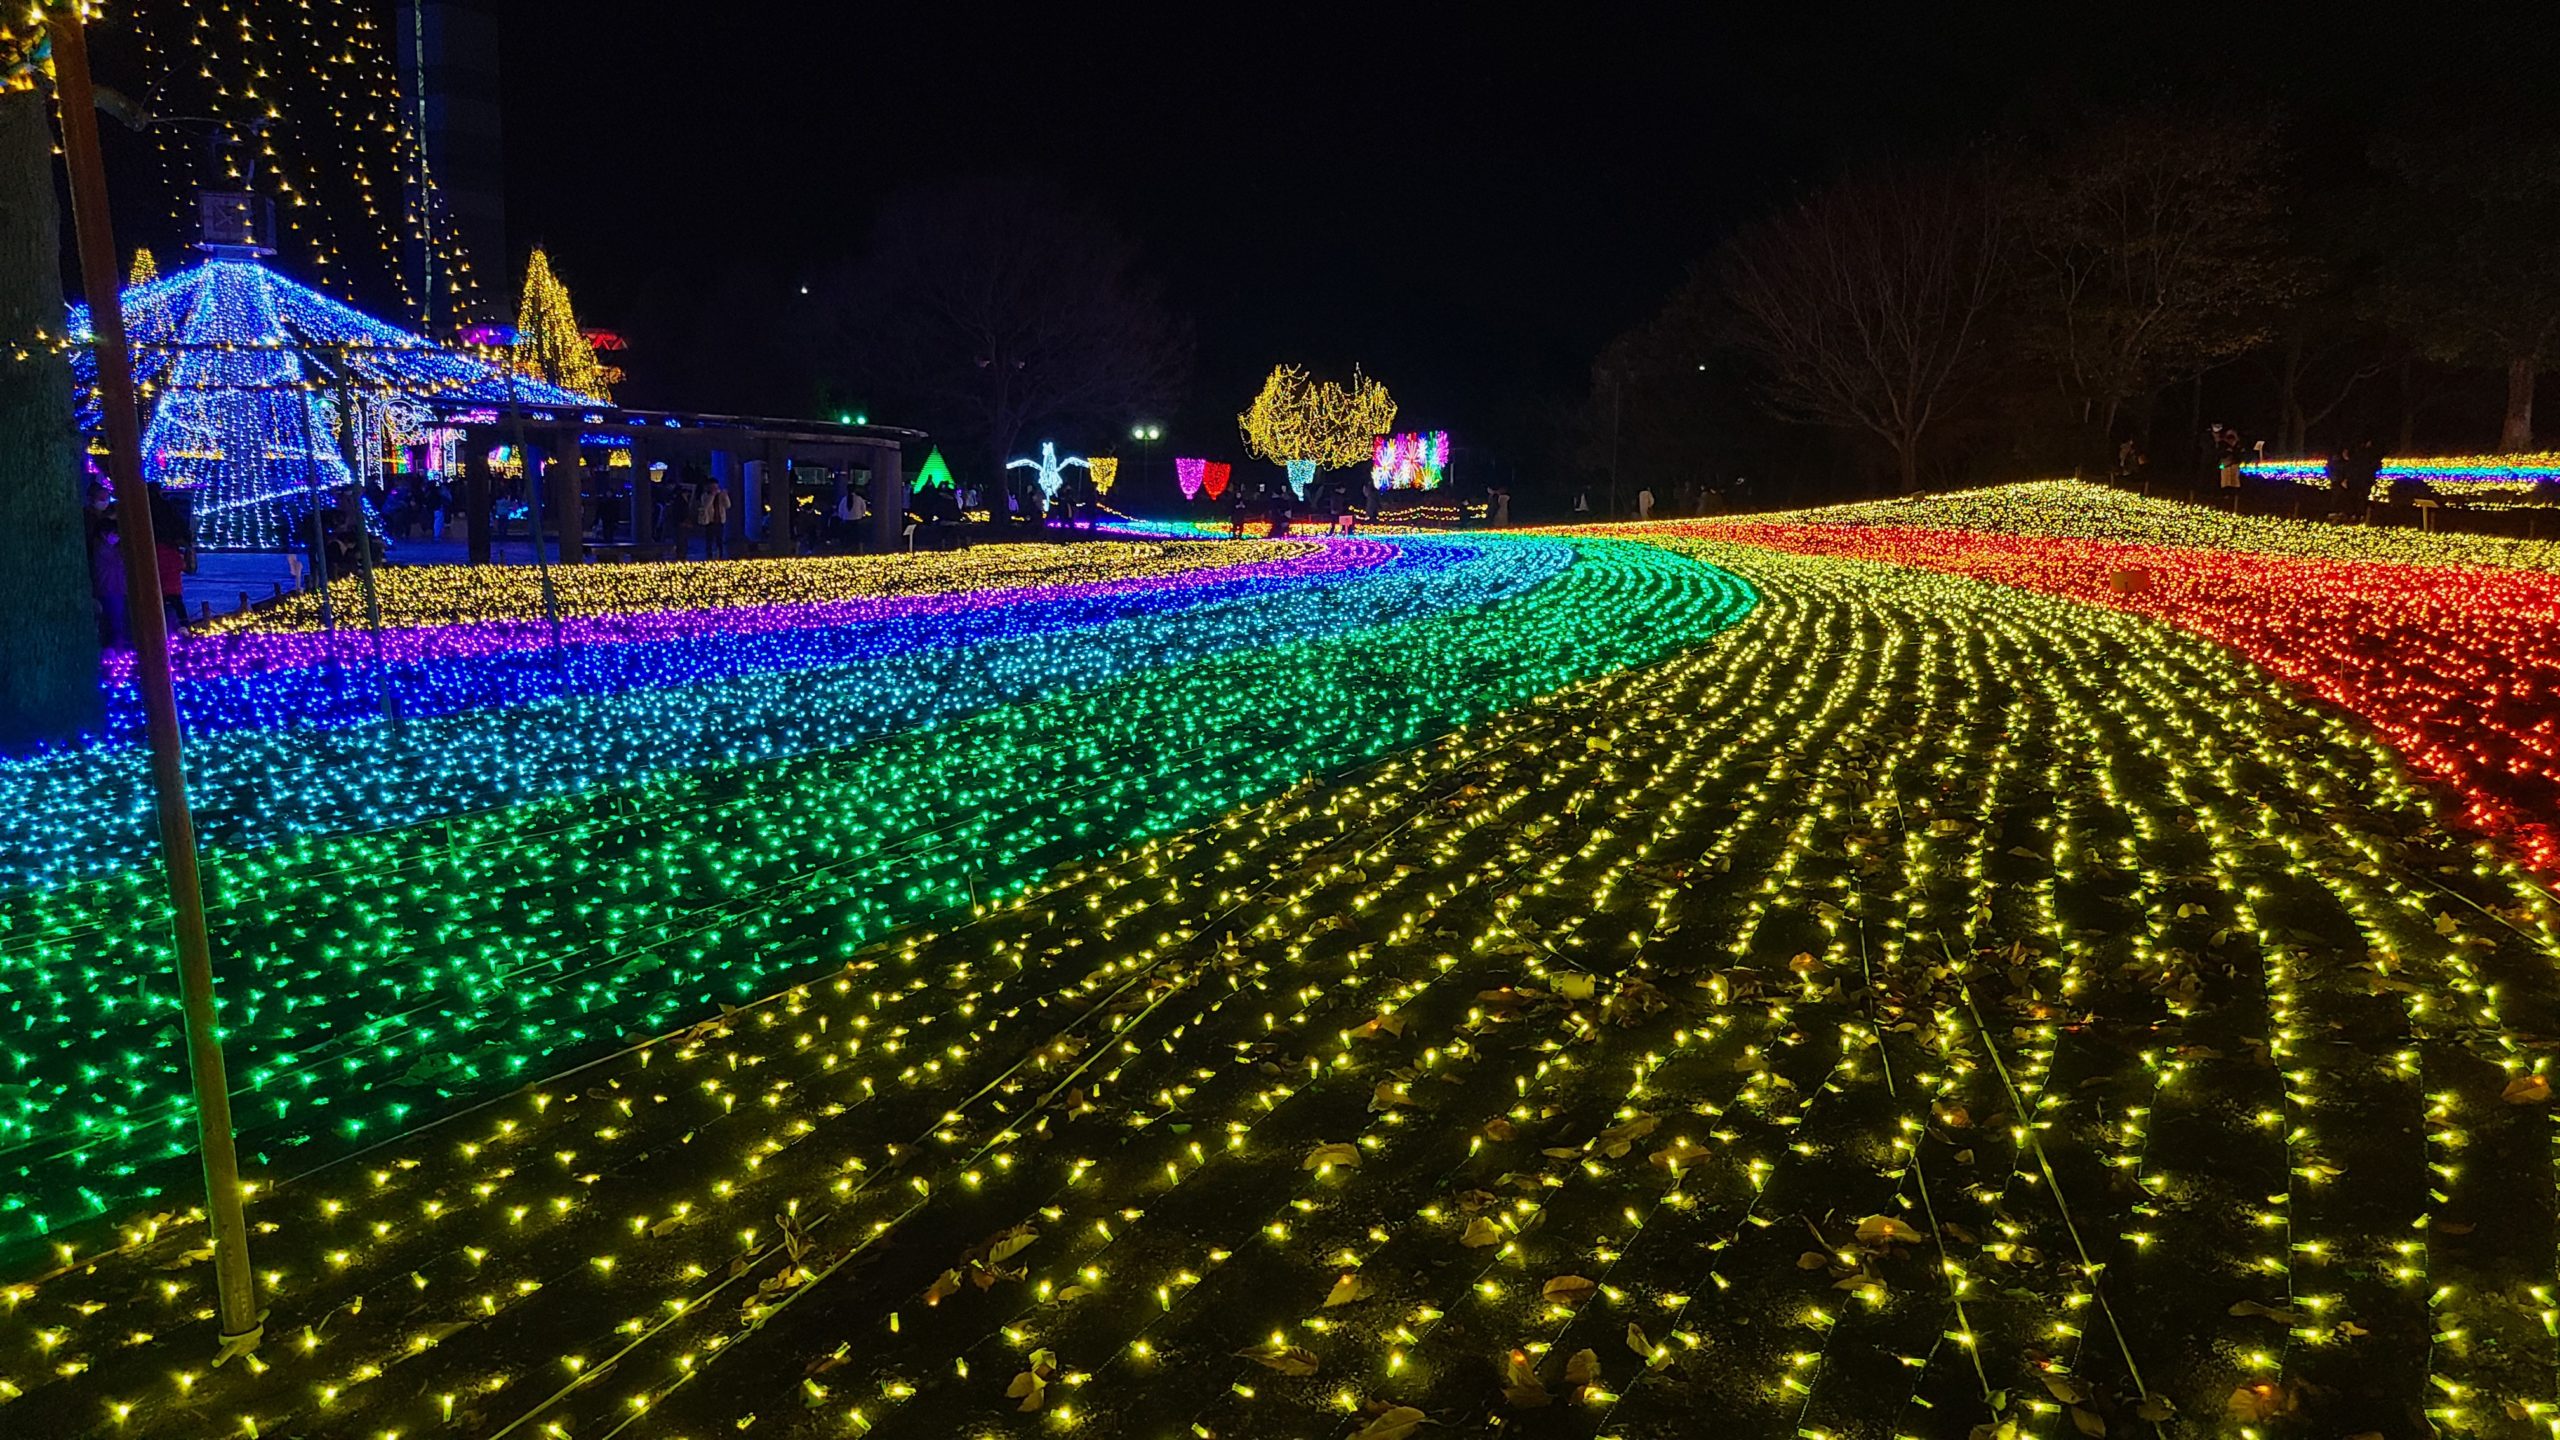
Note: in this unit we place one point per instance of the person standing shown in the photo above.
(711, 512)
(1644, 503)
(1581, 502)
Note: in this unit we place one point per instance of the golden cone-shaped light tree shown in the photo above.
(549, 345)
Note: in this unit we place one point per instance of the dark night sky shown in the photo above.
(1468, 212)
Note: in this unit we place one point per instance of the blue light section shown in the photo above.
(245, 372)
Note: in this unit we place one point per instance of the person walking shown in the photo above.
(711, 512)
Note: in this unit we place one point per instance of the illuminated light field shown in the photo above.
(443, 594)
(763, 696)
(2459, 668)
(1650, 1048)
(307, 678)
(2096, 512)
(398, 970)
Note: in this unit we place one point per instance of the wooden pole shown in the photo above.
(235, 1287)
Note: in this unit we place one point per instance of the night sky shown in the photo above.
(1467, 212)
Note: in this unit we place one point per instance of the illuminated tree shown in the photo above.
(49, 648)
(145, 268)
(1308, 425)
(549, 345)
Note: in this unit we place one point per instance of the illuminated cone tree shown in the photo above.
(549, 345)
(1309, 425)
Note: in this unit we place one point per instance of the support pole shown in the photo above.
(234, 1286)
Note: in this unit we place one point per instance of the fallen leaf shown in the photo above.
(1027, 1388)
(1582, 1369)
(1480, 1233)
(2530, 1089)
(2088, 1423)
(1813, 1260)
(1639, 1342)
(1345, 1290)
(2065, 1389)
(1886, 1230)
(1679, 1155)
(2265, 1312)
(1347, 1156)
(1568, 1290)
(944, 1288)
(1498, 1129)
(1617, 1140)
(2155, 1409)
(1287, 1359)
(1574, 985)
(1397, 1423)
(1010, 1243)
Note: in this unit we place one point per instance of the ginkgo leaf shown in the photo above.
(944, 1288)
(1027, 1388)
(1638, 1341)
(1322, 1155)
(1287, 1359)
(1345, 1290)
(1480, 1233)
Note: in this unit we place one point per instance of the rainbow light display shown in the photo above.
(1411, 460)
(1190, 474)
(1829, 975)
(247, 373)
(2487, 480)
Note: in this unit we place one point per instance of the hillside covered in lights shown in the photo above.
(2035, 962)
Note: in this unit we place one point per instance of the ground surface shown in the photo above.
(1685, 979)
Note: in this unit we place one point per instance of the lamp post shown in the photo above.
(1147, 435)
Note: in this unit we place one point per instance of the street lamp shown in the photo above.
(1147, 435)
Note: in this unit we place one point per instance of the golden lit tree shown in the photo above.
(1308, 424)
(549, 345)
(145, 268)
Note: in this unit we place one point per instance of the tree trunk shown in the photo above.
(2517, 434)
(2408, 406)
(1907, 458)
(49, 645)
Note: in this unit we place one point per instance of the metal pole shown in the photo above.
(234, 1285)
(533, 509)
(352, 445)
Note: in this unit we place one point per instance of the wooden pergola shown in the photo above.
(758, 460)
